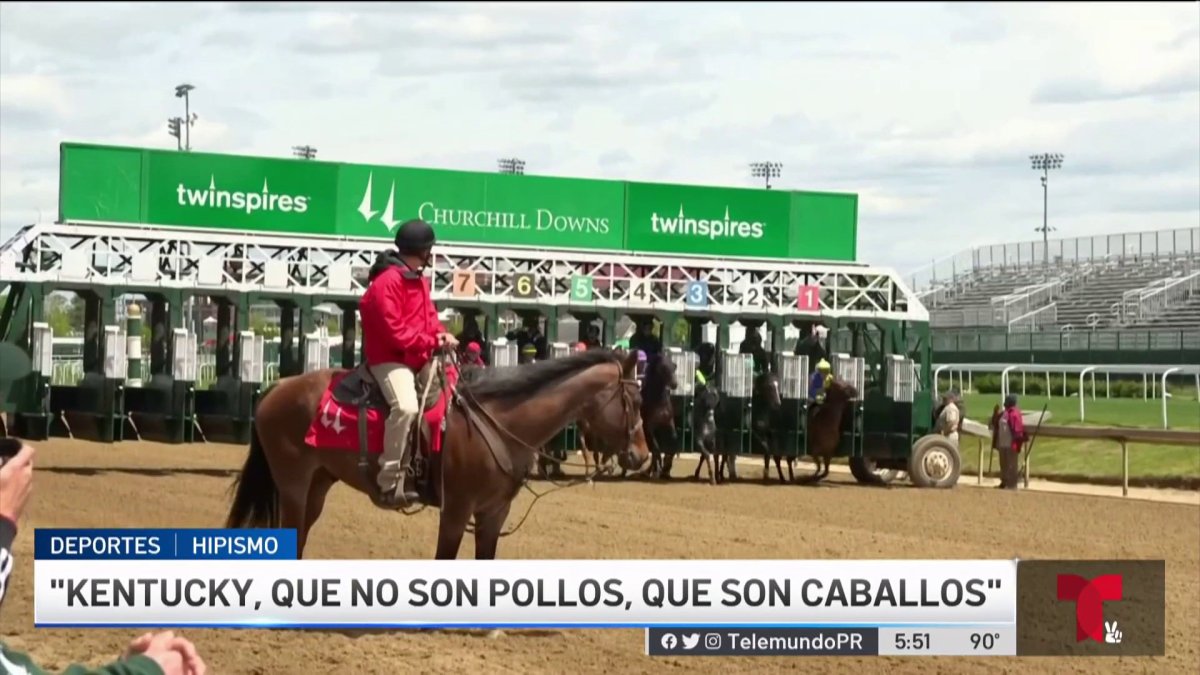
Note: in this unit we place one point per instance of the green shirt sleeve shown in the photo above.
(16, 663)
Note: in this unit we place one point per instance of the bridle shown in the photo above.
(622, 388)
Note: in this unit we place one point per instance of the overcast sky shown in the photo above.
(928, 111)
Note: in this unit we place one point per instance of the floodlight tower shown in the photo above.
(304, 151)
(766, 171)
(1044, 163)
(174, 125)
(189, 118)
(511, 165)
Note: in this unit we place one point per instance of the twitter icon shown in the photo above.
(690, 641)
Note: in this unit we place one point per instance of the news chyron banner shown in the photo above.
(251, 578)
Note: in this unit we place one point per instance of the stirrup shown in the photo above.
(393, 501)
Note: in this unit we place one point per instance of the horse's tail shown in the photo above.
(256, 500)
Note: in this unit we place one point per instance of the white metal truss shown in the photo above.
(335, 269)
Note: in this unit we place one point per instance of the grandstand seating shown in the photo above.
(1155, 292)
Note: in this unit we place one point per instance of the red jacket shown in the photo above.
(399, 322)
(1016, 423)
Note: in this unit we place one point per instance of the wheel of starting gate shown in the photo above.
(865, 471)
(935, 462)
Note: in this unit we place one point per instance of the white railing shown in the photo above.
(1153, 302)
(1046, 315)
(957, 318)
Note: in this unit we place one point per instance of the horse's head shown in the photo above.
(767, 386)
(666, 367)
(707, 398)
(840, 391)
(616, 418)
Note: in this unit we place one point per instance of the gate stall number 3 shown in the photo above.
(697, 294)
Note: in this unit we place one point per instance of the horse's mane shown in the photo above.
(528, 380)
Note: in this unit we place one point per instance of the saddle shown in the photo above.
(359, 390)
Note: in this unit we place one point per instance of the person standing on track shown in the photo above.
(1008, 436)
(401, 331)
(949, 420)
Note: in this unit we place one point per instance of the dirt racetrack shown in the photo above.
(82, 484)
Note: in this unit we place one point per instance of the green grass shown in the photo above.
(1098, 459)
(1113, 412)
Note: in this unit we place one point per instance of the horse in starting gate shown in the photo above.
(839, 417)
(734, 421)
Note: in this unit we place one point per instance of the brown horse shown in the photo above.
(496, 422)
(825, 425)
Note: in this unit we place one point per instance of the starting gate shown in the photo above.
(900, 388)
(737, 391)
(683, 398)
(568, 440)
(33, 419)
(316, 350)
(185, 371)
(504, 353)
(793, 392)
(852, 369)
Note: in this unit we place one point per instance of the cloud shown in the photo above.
(1091, 91)
(927, 111)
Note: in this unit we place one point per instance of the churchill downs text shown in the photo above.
(432, 592)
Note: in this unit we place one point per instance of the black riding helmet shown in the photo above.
(415, 236)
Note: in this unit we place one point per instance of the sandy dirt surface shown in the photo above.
(148, 485)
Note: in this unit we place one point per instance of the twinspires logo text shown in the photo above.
(713, 229)
(249, 202)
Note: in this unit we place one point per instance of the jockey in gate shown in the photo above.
(472, 355)
(401, 332)
(528, 353)
(819, 381)
(581, 347)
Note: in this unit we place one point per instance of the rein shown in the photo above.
(626, 404)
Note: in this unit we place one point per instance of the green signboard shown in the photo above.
(100, 183)
(706, 220)
(481, 208)
(256, 194)
(240, 193)
(824, 226)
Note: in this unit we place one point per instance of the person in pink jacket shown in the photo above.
(1008, 435)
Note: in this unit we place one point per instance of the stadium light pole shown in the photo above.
(181, 91)
(174, 124)
(1044, 163)
(304, 151)
(511, 165)
(766, 171)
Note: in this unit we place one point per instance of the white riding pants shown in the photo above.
(399, 388)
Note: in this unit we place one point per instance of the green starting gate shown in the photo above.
(568, 440)
(683, 398)
(852, 369)
(737, 391)
(792, 440)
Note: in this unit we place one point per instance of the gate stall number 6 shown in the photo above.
(523, 285)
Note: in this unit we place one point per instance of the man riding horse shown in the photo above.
(401, 331)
